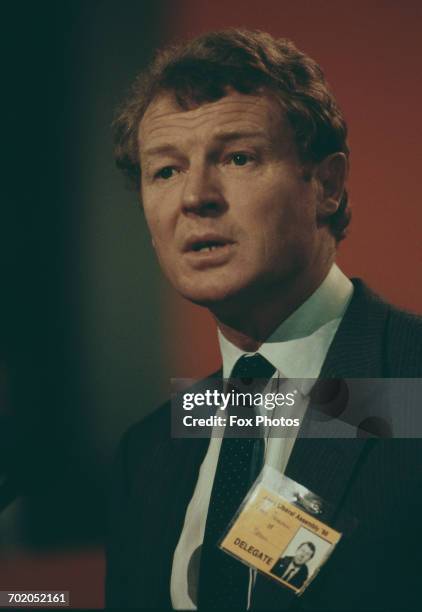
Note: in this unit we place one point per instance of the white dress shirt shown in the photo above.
(297, 349)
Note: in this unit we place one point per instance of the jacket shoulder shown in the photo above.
(405, 320)
(150, 437)
(144, 439)
(375, 340)
(404, 343)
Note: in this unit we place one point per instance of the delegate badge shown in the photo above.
(277, 531)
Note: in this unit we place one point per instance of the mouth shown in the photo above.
(210, 249)
(206, 244)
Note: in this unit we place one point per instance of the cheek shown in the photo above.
(155, 222)
(293, 221)
(160, 214)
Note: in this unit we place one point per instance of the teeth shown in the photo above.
(208, 248)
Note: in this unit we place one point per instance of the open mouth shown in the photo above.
(206, 243)
(207, 246)
(205, 250)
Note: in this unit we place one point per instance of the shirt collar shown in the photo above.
(298, 347)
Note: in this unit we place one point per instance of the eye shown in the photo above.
(165, 173)
(240, 159)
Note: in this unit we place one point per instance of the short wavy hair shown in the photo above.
(202, 70)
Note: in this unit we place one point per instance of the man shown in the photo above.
(294, 569)
(239, 152)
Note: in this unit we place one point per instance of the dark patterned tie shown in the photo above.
(223, 581)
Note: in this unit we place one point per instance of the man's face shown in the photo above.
(229, 211)
(303, 554)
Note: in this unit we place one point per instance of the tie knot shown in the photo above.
(251, 367)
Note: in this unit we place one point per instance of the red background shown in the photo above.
(370, 53)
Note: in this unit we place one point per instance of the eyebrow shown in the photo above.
(229, 136)
(160, 150)
(223, 137)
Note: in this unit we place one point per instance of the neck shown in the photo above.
(248, 321)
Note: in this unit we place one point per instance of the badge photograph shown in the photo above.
(301, 559)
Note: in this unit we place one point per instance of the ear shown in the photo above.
(331, 174)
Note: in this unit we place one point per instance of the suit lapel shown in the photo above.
(175, 480)
(174, 484)
(357, 348)
(328, 466)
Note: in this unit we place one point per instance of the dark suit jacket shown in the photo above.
(376, 481)
(298, 579)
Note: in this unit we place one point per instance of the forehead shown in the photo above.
(235, 112)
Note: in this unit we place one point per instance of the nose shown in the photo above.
(202, 192)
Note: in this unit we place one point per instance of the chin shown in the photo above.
(208, 294)
(205, 297)
(218, 294)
